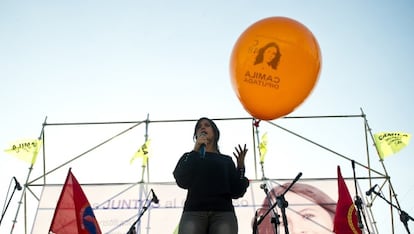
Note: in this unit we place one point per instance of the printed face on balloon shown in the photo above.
(267, 57)
(262, 66)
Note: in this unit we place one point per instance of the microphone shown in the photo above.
(297, 177)
(18, 186)
(154, 197)
(264, 187)
(202, 149)
(368, 193)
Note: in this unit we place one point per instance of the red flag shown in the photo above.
(346, 220)
(73, 213)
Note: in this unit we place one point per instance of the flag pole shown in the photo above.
(256, 125)
(25, 184)
(254, 147)
(392, 192)
(43, 151)
(146, 139)
(145, 166)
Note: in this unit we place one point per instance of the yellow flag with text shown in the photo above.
(263, 147)
(143, 152)
(25, 149)
(389, 143)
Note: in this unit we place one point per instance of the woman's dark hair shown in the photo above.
(275, 60)
(215, 129)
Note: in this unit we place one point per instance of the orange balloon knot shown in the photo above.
(256, 123)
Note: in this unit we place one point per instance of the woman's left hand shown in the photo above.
(240, 154)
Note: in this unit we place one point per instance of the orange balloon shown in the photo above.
(274, 66)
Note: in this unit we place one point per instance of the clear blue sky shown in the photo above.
(83, 61)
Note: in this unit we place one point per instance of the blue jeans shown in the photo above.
(208, 222)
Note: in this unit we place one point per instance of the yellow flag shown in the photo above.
(389, 143)
(263, 147)
(143, 152)
(25, 149)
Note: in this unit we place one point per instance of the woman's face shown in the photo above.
(304, 216)
(269, 54)
(204, 127)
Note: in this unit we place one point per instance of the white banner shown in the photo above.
(118, 206)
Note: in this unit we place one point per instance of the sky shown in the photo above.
(103, 61)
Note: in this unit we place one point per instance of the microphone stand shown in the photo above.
(132, 229)
(283, 204)
(10, 198)
(358, 203)
(275, 218)
(404, 217)
(255, 223)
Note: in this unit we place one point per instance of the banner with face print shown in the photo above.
(311, 206)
